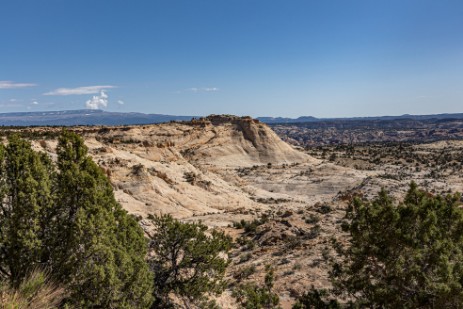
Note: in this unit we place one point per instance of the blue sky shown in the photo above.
(326, 58)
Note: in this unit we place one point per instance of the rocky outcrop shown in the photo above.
(183, 168)
(243, 141)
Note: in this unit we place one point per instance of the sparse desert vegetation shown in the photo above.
(281, 212)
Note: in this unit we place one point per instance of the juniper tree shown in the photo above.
(187, 260)
(99, 249)
(408, 255)
(24, 200)
(68, 222)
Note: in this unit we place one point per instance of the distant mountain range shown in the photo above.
(84, 117)
(100, 117)
(304, 119)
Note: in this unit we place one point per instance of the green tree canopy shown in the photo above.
(408, 255)
(25, 199)
(66, 219)
(187, 260)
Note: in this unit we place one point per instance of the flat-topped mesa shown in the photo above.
(223, 119)
(218, 120)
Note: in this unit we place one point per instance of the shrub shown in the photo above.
(254, 296)
(324, 209)
(408, 255)
(312, 219)
(187, 260)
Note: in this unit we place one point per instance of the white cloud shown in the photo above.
(204, 89)
(35, 103)
(5, 84)
(212, 89)
(79, 90)
(98, 101)
(120, 102)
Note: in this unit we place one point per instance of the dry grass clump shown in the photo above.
(35, 292)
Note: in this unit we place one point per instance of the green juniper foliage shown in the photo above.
(316, 299)
(401, 256)
(187, 260)
(252, 296)
(66, 219)
(24, 200)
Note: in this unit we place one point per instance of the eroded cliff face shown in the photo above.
(216, 140)
(243, 141)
